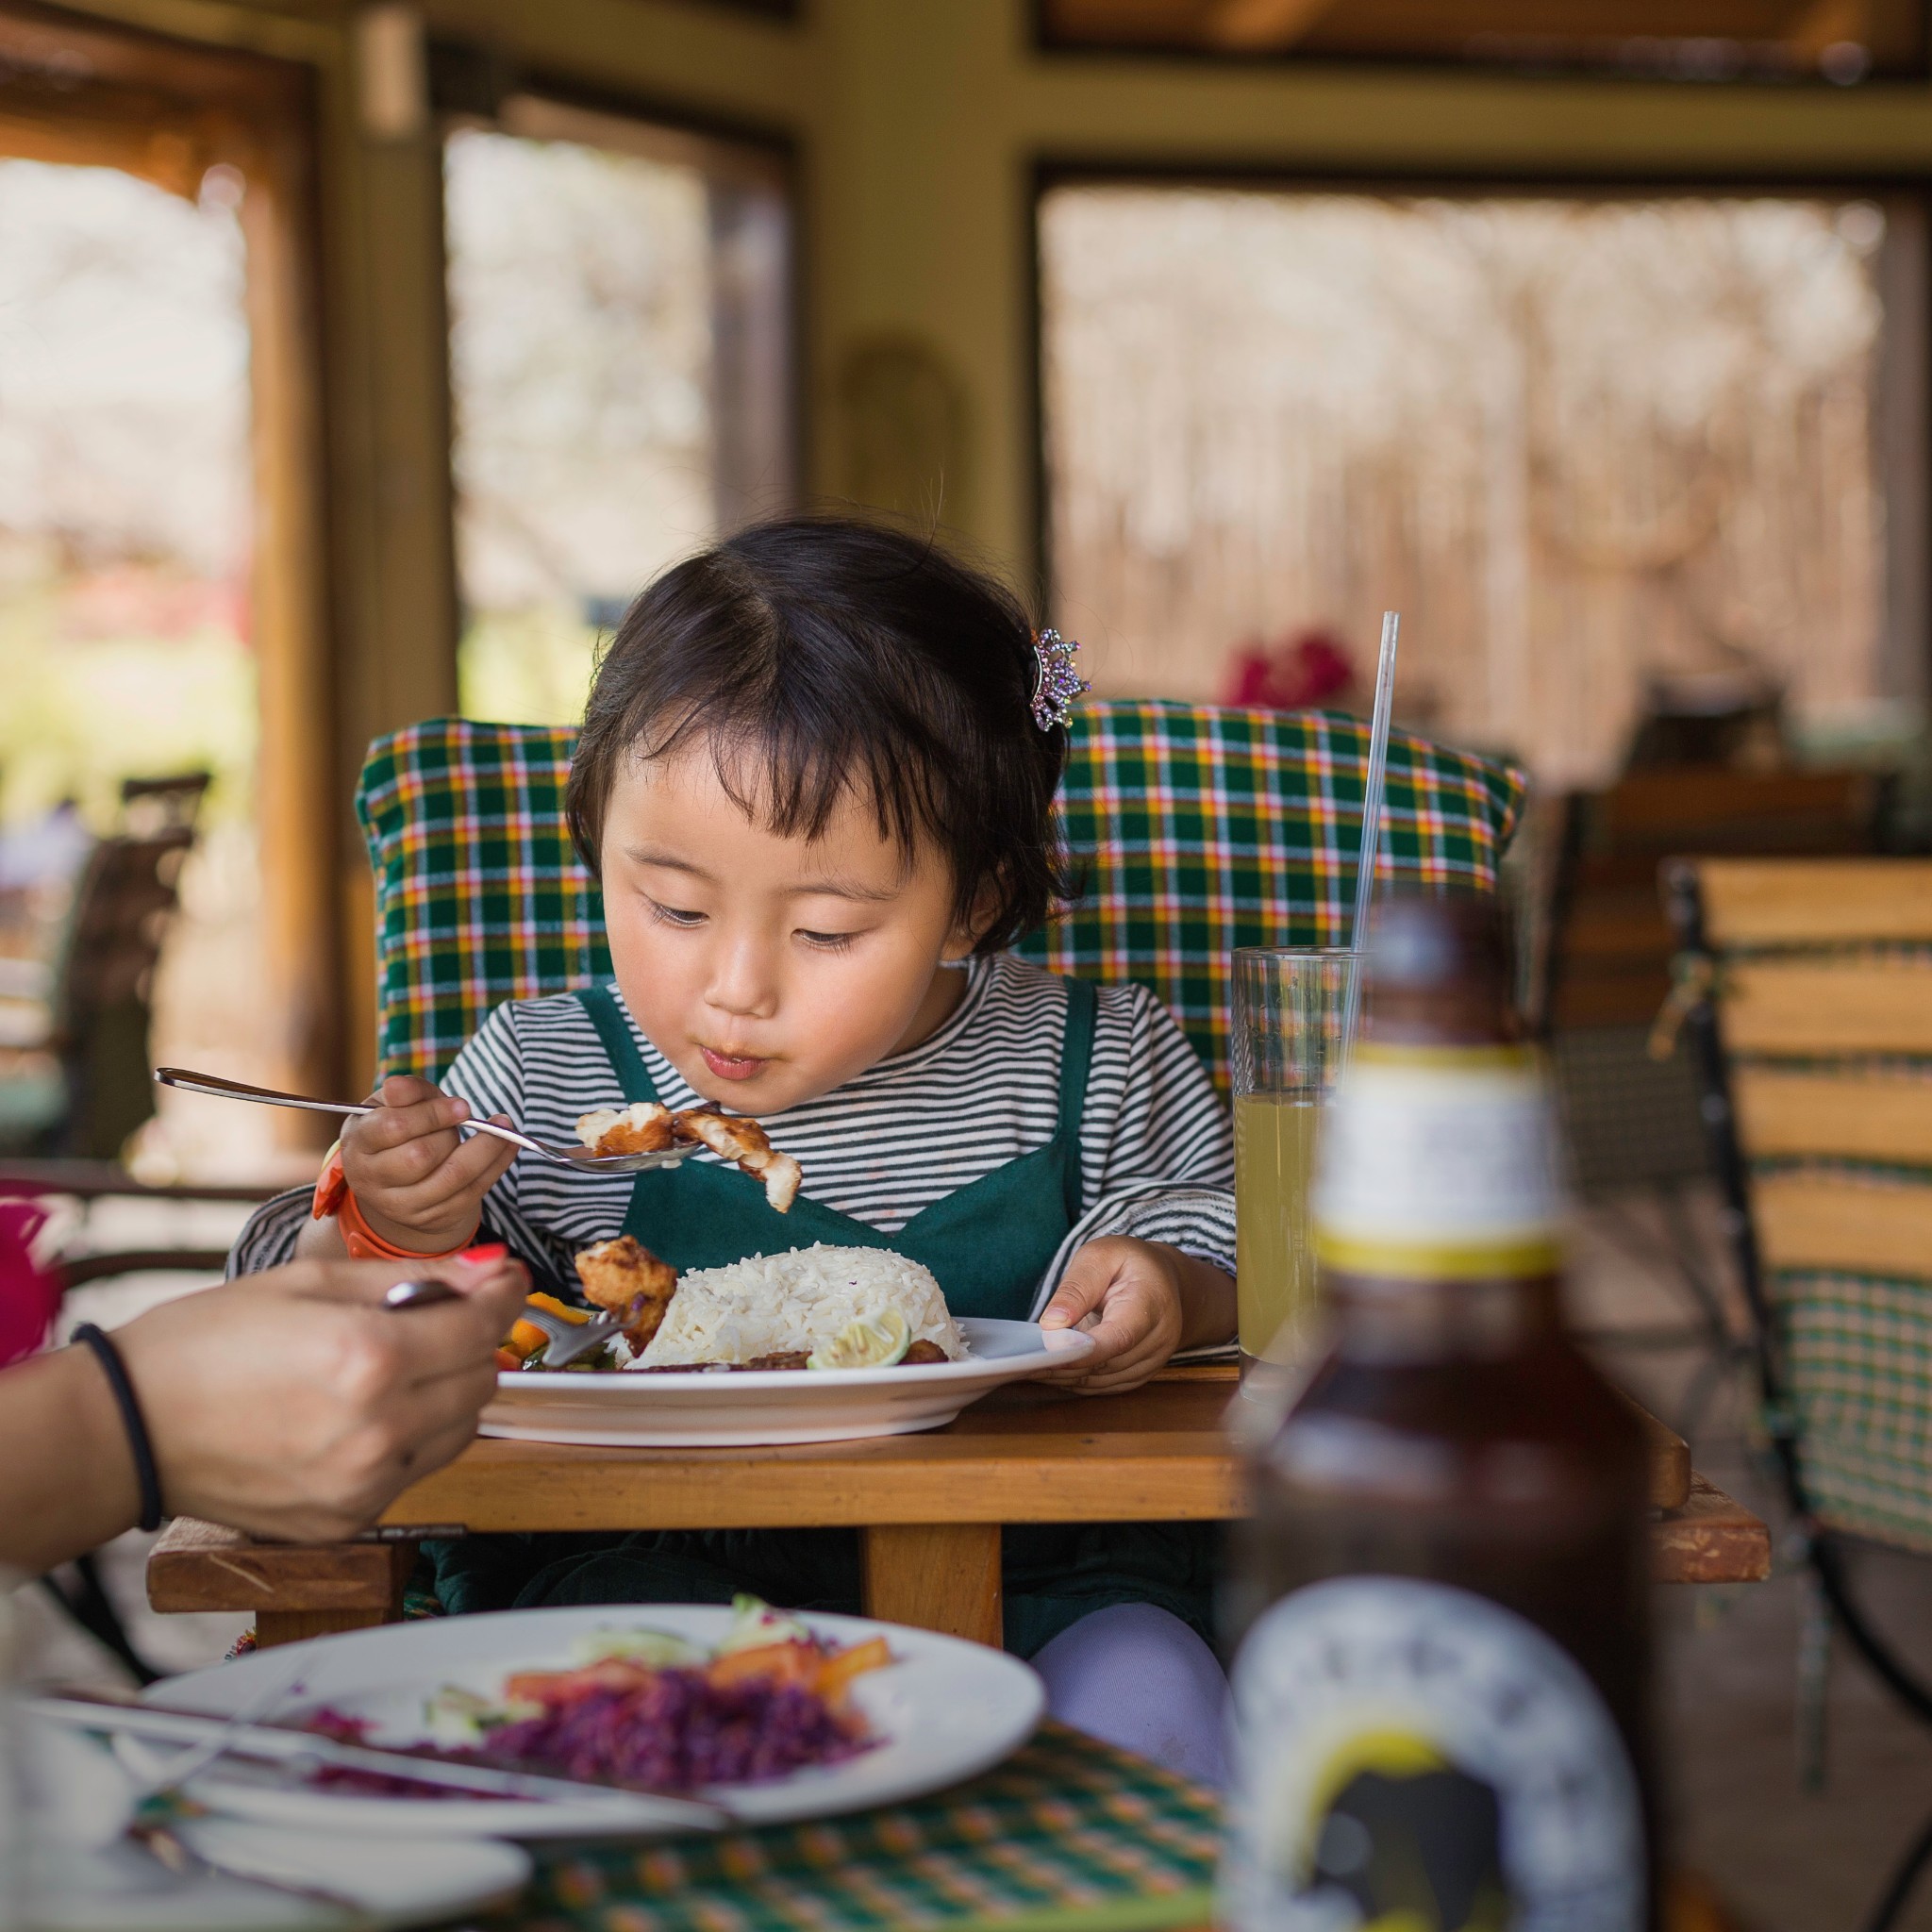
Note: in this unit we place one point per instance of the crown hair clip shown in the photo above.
(1056, 683)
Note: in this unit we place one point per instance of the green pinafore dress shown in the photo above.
(988, 1243)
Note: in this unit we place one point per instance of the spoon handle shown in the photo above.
(220, 1088)
(240, 1089)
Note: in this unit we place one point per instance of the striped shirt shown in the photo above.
(1156, 1157)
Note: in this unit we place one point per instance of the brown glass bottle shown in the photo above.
(1453, 1443)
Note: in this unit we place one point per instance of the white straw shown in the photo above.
(1371, 810)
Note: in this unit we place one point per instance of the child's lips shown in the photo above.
(731, 1066)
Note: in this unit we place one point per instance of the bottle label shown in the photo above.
(1412, 1754)
(1440, 1163)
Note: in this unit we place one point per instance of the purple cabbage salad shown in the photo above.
(647, 1708)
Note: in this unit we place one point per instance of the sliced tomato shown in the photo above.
(560, 1686)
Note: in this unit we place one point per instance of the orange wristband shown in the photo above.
(331, 1188)
(335, 1200)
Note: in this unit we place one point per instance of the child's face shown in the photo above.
(769, 969)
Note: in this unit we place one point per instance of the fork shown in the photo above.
(579, 1157)
(568, 1341)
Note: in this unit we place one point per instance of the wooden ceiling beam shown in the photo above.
(1394, 27)
(1270, 25)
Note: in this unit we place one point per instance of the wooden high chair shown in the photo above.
(1200, 829)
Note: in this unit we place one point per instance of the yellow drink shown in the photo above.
(1274, 1245)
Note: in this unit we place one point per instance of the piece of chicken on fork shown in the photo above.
(643, 1128)
(733, 1137)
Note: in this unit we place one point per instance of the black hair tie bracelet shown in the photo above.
(131, 1418)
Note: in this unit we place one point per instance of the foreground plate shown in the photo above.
(395, 1882)
(718, 1411)
(944, 1710)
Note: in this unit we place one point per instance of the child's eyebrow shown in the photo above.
(826, 888)
(848, 888)
(667, 862)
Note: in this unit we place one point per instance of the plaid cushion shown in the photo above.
(478, 895)
(1858, 1361)
(1200, 828)
(1855, 1348)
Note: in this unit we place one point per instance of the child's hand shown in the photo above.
(419, 1183)
(1140, 1301)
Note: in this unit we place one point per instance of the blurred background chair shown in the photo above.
(77, 990)
(1809, 1018)
(1628, 1091)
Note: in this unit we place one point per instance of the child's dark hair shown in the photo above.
(818, 654)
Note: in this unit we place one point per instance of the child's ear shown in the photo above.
(968, 932)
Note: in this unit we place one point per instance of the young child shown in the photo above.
(815, 778)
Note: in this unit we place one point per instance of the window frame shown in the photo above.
(1906, 573)
(469, 90)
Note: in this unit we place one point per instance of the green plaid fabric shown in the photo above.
(1856, 1349)
(479, 897)
(1199, 829)
(1070, 1832)
(1858, 1359)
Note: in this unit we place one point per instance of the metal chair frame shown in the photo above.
(1672, 1252)
(1824, 1550)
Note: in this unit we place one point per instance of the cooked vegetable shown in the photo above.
(648, 1706)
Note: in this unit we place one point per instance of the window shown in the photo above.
(620, 361)
(1586, 446)
(161, 609)
(1841, 41)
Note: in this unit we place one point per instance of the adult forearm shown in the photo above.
(67, 1481)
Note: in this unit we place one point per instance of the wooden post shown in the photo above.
(941, 1576)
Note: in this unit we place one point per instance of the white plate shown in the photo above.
(386, 1881)
(945, 1710)
(721, 1411)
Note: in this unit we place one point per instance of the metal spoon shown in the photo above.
(579, 1158)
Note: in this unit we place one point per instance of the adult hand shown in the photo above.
(293, 1403)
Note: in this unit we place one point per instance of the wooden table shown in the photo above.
(928, 1508)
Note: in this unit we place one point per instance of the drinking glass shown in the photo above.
(1292, 1007)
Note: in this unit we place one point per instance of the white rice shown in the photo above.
(801, 1299)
